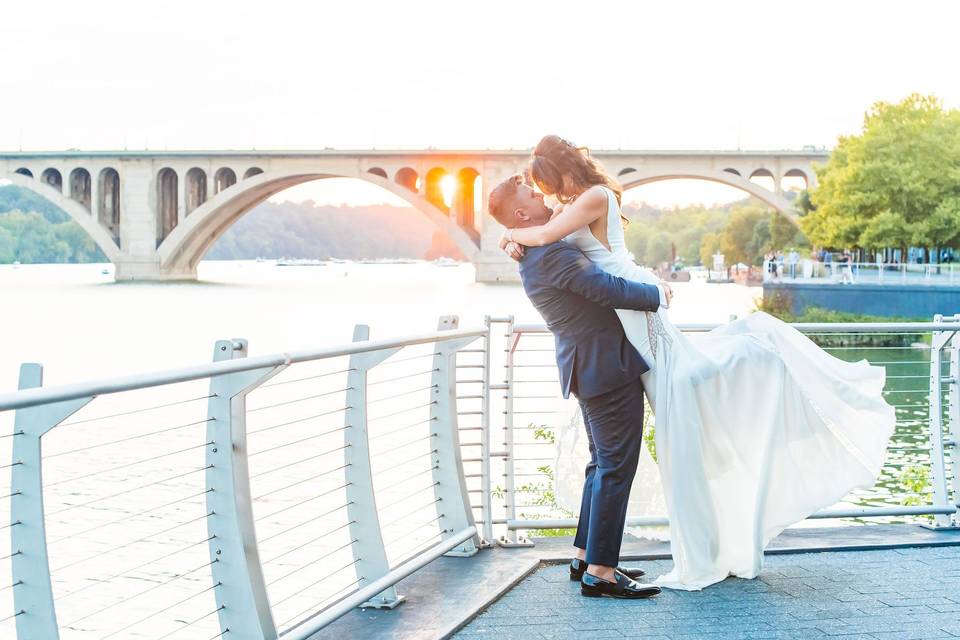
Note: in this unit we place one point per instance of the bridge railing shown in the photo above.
(247, 498)
(918, 482)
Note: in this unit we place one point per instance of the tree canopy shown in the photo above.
(896, 184)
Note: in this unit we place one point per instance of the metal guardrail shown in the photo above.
(259, 497)
(863, 272)
(313, 490)
(531, 350)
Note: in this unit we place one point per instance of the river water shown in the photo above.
(124, 493)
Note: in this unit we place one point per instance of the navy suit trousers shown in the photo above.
(614, 422)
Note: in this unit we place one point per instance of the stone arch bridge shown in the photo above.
(156, 213)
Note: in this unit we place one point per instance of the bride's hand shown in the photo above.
(514, 250)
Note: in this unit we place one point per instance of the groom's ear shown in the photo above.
(520, 214)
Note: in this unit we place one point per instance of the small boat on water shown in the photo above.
(300, 262)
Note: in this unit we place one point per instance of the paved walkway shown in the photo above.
(909, 594)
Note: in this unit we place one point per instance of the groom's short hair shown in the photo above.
(499, 203)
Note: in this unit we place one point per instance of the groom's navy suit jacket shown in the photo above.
(577, 300)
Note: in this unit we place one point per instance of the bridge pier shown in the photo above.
(129, 270)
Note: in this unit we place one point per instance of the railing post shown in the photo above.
(938, 477)
(511, 538)
(954, 443)
(34, 608)
(368, 549)
(453, 506)
(241, 593)
(485, 496)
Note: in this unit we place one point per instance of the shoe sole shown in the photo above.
(611, 595)
(578, 578)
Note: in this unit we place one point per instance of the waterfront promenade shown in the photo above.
(910, 593)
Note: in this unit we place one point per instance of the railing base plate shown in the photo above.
(513, 544)
(934, 527)
(383, 603)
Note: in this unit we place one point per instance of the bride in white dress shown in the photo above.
(756, 426)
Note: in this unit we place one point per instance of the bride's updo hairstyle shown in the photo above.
(554, 157)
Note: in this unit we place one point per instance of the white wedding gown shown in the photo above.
(756, 428)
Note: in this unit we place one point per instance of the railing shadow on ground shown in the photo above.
(260, 496)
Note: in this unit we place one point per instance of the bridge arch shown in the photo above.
(75, 210)
(186, 244)
(726, 177)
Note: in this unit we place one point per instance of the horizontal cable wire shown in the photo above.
(322, 375)
(397, 447)
(132, 542)
(293, 484)
(308, 542)
(395, 413)
(400, 395)
(132, 569)
(165, 609)
(298, 420)
(140, 593)
(128, 517)
(403, 377)
(296, 400)
(313, 562)
(133, 411)
(308, 521)
(313, 584)
(142, 435)
(313, 437)
(324, 601)
(127, 465)
(417, 492)
(193, 622)
(398, 430)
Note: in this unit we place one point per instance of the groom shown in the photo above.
(598, 365)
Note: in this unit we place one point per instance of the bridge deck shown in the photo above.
(883, 581)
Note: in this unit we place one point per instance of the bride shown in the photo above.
(756, 426)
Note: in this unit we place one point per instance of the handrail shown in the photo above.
(47, 395)
(820, 327)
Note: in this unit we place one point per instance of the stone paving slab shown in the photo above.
(905, 593)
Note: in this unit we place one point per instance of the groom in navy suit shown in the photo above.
(601, 368)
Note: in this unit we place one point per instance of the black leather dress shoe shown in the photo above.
(624, 587)
(578, 567)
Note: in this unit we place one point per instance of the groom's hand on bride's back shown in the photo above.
(667, 292)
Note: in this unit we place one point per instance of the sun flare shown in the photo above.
(448, 188)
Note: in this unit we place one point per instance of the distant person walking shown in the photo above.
(792, 259)
(846, 268)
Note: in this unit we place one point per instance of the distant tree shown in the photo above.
(783, 233)
(658, 248)
(8, 247)
(746, 236)
(902, 169)
(709, 245)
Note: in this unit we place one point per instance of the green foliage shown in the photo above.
(542, 493)
(746, 235)
(897, 183)
(914, 480)
(14, 198)
(31, 238)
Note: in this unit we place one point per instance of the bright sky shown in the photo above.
(107, 74)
